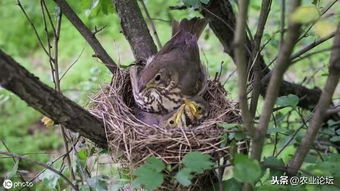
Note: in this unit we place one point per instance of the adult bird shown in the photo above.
(174, 75)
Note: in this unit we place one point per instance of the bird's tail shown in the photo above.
(194, 26)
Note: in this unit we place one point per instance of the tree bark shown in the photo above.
(52, 104)
(222, 22)
(273, 89)
(321, 109)
(135, 29)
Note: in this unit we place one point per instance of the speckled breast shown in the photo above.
(159, 100)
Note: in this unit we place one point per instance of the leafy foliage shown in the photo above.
(184, 176)
(289, 100)
(194, 3)
(306, 14)
(50, 177)
(286, 127)
(246, 169)
(195, 163)
(149, 174)
(274, 162)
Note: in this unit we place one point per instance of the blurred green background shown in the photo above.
(20, 126)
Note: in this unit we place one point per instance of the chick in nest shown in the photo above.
(189, 113)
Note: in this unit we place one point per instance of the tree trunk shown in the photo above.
(135, 29)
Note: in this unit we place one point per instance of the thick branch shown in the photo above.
(54, 105)
(222, 22)
(321, 109)
(135, 29)
(272, 93)
(265, 8)
(88, 35)
(241, 62)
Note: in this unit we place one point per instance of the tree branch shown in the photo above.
(333, 110)
(222, 21)
(154, 31)
(321, 109)
(272, 93)
(42, 165)
(265, 8)
(88, 35)
(241, 62)
(135, 29)
(52, 104)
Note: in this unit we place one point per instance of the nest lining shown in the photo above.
(132, 140)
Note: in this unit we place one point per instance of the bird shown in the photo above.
(175, 74)
(189, 113)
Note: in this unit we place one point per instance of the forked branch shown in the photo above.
(272, 93)
(88, 35)
(321, 109)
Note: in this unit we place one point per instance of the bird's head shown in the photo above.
(176, 118)
(196, 109)
(157, 74)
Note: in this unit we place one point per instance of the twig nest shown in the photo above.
(133, 141)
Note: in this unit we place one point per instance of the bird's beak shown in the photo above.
(191, 106)
(179, 114)
(143, 87)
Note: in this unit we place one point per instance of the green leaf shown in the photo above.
(289, 100)
(335, 139)
(331, 123)
(106, 6)
(148, 177)
(100, 7)
(272, 188)
(184, 176)
(155, 164)
(231, 185)
(305, 14)
(149, 174)
(240, 136)
(14, 169)
(98, 183)
(82, 154)
(85, 4)
(276, 162)
(328, 131)
(197, 161)
(246, 169)
(192, 3)
(279, 129)
(324, 28)
(316, 2)
(228, 125)
(204, 1)
(51, 178)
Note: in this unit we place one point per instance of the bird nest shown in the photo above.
(133, 140)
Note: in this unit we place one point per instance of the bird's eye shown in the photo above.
(158, 77)
(199, 108)
(171, 122)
